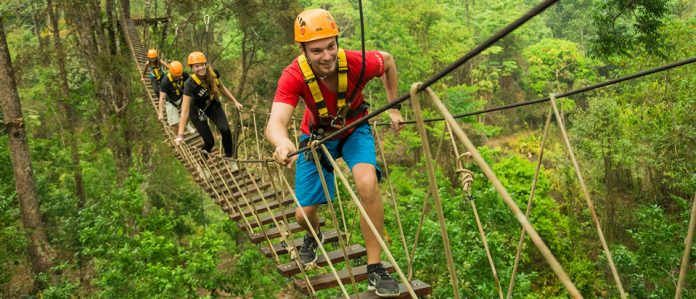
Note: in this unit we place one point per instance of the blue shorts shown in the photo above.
(359, 147)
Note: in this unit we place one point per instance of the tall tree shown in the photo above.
(40, 252)
(99, 40)
(69, 111)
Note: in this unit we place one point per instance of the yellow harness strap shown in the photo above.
(203, 84)
(177, 85)
(311, 82)
(157, 70)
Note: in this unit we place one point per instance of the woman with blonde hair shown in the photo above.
(201, 101)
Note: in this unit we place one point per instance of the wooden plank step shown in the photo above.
(336, 256)
(218, 181)
(249, 190)
(243, 179)
(420, 288)
(327, 280)
(329, 236)
(268, 218)
(218, 176)
(274, 232)
(255, 198)
(260, 208)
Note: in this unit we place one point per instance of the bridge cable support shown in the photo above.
(586, 194)
(534, 235)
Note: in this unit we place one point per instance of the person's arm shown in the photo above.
(185, 103)
(277, 133)
(145, 67)
(164, 63)
(226, 92)
(390, 81)
(160, 110)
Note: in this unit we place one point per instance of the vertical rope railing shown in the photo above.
(425, 210)
(433, 189)
(314, 235)
(687, 251)
(536, 239)
(520, 243)
(466, 178)
(333, 218)
(392, 194)
(586, 193)
(369, 223)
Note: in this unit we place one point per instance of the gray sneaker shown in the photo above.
(308, 250)
(383, 285)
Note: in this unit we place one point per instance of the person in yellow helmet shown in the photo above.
(326, 78)
(201, 101)
(157, 65)
(171, 94)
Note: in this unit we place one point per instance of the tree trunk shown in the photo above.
(165, 30)
(125, 8)
(96, 42)
(38, 19)
(69, 111)
(40, 253)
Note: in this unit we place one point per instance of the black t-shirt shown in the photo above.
(199, 94)
(174, 90)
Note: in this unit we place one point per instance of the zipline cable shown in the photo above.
(565, 94)
(480, 48)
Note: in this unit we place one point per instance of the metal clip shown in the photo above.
(338, 122)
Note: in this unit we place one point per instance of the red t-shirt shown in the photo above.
(291, 85)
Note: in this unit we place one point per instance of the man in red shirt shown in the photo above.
(325, 77)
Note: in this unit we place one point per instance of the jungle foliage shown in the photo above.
(145, 229)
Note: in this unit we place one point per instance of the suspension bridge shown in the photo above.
(258, 196)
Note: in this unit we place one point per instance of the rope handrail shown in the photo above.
(369, 223)
(312, 232)
(536, 239)
(466, 57)
(325, 188)
(393, 197)
(586, 194)
(562, 95)
(687, 250)
(537, 170)
(432, 184)
(466, 179)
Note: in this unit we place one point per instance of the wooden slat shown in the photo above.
(274, 232)
(218, 183)
(336, 256)
(327, 280)
(259, 208)
(329, 236)
(254, 199)
(419, 287)
(249, 191)
(268, 218)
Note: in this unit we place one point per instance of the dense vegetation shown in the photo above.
(140, 228)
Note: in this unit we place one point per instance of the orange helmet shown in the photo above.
(314, 24)
(152, 53)
(196, 57)
(176, 68)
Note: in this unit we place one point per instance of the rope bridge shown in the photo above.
(255, 192)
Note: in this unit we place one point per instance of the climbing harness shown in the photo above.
(177, 85)
(201, 111)
(325, 119)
